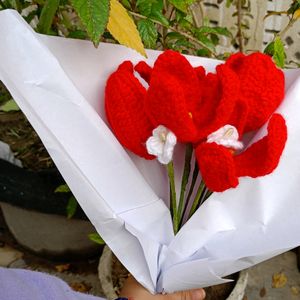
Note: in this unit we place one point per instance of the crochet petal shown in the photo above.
(174, 95)
(220, 94)
(262, 157)
(216, 166)
(144, 70)
(124, 105)
(261, 86)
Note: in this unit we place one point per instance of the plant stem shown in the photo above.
(194, 179)
(173, 204)
(207, 195)
(288, 26)
(197, 198)
(239, 25)
(185, 177)
(191, 38)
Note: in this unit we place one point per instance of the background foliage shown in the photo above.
(156, 24)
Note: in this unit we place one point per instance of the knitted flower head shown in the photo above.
(211, 111)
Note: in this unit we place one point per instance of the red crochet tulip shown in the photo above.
(219, 100)
(220, 168)
(124, 105)
(186, 101)
(174, 95)
(261, 86)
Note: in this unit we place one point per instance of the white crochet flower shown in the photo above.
(226, 136)
(161, 144)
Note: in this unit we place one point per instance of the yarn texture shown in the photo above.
(243, 94)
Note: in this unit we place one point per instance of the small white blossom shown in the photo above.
(161, 144)
(226, 136)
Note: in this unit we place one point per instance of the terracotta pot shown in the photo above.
(112, 276)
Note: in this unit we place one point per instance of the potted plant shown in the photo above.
(38, 208)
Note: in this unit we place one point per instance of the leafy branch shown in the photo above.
(173, 29)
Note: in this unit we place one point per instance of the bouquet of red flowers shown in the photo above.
(209, 113)
(237, 121)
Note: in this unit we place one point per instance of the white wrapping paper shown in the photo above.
(59, 84)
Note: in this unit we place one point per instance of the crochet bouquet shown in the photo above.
(117, 129)
(209, 113)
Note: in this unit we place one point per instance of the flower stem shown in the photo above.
(185, 177)
(197, 198)
(192, 186)
(173, 204)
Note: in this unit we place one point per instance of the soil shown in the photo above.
(16, 131)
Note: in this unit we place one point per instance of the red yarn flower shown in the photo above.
(244, 92)
(125, 110)
(186, 101)
(261, 91)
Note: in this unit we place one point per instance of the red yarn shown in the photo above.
(144, 70)
(216, 166)
(220, 169)
(174, 95)
(124, 104)
(262, 157)
(261, 86)
(220, 94)
(244, 92)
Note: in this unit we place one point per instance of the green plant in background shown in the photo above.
(158, 24)
(276, 47)
(95, 237)
(71, 210)
(72, 202)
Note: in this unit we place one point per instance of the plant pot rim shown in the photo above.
(34, 190)
(105, 276)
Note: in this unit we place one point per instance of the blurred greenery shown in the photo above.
(161, 24)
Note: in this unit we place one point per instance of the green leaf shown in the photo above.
(153, 9)
(183, 43)
(47, 15)
(276, 50)
(62, 189)
(95, 237)
(77, 34)
(216, 30)
(207, 42)
(126, 4)
(294, 6)
(279, 53)
(94, 16)
(269, 49)
(203, 53)
(182, 5)
(228, 3)
(148, 33)
(173, 35)
(10, 105)
(71, 207)
(159, 16)
(145, 7)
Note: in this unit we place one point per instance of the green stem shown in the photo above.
(197, 198)
(185, 177)
(207, 195)
(173, 204)
(193, 183)
(190, 37)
